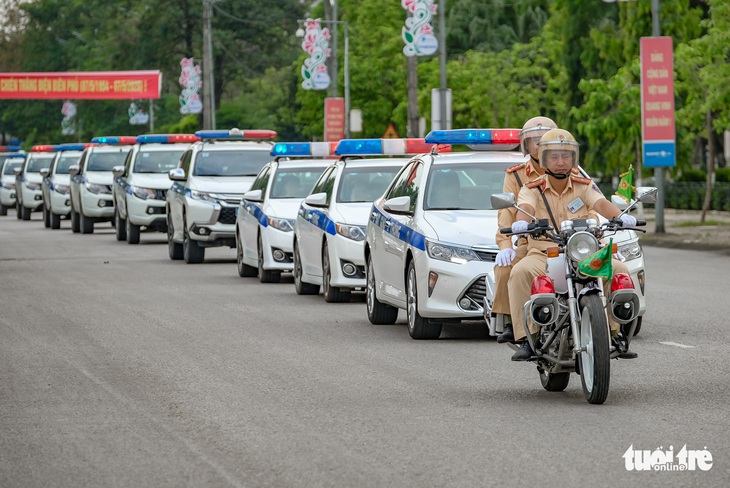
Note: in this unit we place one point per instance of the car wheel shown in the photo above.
(75, 225)
(378, 313)
(265, 275)
(120, 227)
(3, 210)
(55, 221)
(192, 252)
(331, 294)
(174, 249)
(244, 270)
(302, 287)
(85, 223)
(24, 213)
(46, 217)
(132, 232)
(418, 327)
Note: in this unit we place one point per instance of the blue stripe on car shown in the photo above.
(319, 219)
(259, 214)
(398, 230)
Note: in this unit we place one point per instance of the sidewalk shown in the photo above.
(678, 234)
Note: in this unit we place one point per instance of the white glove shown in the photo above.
(519, 226)
(505, 257)
(619, 256)
(628, 220)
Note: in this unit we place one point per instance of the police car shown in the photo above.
(28, 181)
(140, 185)
(207, 188)
(8, 164)
(91, 182)
(266, 217)
(55, 185)
(330, 226)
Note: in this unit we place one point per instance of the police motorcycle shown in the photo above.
(569, 306)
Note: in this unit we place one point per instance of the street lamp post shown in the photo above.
(208, 87)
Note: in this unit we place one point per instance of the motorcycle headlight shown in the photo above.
(61, 189)
(201, 195)
(32, 186)
(143, 193)
(284, 225)
(452, 254)
(354, 232)
(581, 245)
(630, 250)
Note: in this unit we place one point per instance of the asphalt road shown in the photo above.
(119, 367)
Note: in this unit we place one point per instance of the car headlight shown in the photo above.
(9, 186)
(354, 232)
(201, 195)
(96, 189)
(452, 254)
(143, 193)
(284, 225)
(32, 186)
(581, 245)
(630, 250)
(61, 189)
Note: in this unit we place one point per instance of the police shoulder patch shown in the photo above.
(536, 182)
(515, 168)
(583, 181)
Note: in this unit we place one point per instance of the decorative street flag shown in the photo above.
(190, 80)
(418, 33)
(316, 44)
(626, 185)
(68, 124)
(137, 115)
(599, 264)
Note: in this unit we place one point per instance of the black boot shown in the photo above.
(507, 336)
(523, 353)
(622, 346)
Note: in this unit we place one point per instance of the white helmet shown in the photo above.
(557, 140)
(534, 129)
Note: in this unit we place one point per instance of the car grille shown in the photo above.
(486, 256)
(475, 293)
(227, 215)
(160, 194)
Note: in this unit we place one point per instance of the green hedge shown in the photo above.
(688, 195)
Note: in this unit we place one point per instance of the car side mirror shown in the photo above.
(16, 171)
(316, 200)
(646, 194)
(401, 205)
(45, 172)
(253, 195)
(74, 169)
(118, 171)
(502, 200)
(177, 174)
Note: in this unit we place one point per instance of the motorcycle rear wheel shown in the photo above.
(554, 381)
(595, 361)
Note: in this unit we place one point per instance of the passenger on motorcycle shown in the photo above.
(558, 195)
(514, 178)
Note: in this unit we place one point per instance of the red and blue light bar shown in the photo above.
(115, 140)
(303, 149)
(73, 146)
(167, 138)
(9, 148)
(235, 134)
(478, 137)
(43, 148)
(386, 147)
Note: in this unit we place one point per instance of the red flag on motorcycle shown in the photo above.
(599, 264)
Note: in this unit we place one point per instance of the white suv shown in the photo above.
(91, 182)
(28, 182)
(8, 164)
(56, 200)
(207, 188)
(140, 185)
(265, 222)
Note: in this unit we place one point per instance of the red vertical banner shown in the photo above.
(657, 101)
(334, 119)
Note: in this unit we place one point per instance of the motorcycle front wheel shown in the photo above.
(595, 360)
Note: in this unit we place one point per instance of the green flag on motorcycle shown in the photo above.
(599, 264)
(626, 185)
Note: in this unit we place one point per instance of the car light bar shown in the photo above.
(483, 138)
(73, 146)
(9, 148)
(43, 148)
(167, 138)
(16, 155)
(303, 149)
(115, 140)
(388, 147)
(235, 134)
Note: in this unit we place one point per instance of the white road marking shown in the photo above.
(676, 344)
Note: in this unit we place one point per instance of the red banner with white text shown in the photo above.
(97, 85)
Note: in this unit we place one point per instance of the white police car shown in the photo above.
(266, 217)
(431, 237)
(8, 164)
(55, 185)
(28, 181)
(91, 181)
(330, 226)
(140, 185)
(207, 188)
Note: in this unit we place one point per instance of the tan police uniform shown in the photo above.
(579, 194)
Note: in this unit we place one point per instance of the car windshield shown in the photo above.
(463, 186)
(157, 161)
(10, 166)
(294, 183)
(364, 184)
(231, 163)
(105, 161)
(37, 162)
(64, 162)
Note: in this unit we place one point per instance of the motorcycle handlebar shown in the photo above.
(640, 222)
(505, 230)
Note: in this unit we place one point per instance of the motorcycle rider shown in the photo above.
(514, 178)
(557, 195)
